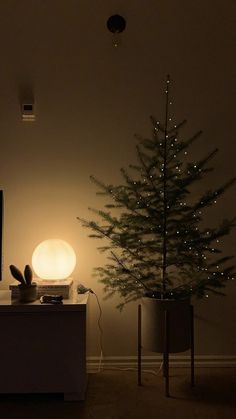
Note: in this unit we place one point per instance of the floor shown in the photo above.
(115, 395)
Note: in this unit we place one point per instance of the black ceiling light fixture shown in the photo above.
(116, 24)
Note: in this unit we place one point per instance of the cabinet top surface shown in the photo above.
(77, 302)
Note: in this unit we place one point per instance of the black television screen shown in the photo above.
(1, 231)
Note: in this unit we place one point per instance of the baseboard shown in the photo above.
(95, 363)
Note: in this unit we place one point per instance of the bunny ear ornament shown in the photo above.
(27, 288)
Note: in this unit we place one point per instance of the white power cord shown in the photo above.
(101, 333)
(136, 369)
(81, 289)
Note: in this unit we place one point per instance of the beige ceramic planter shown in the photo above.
(153, 324)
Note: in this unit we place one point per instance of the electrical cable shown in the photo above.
(100, 367)
(82, 290)
(136, 369)
(101, 332)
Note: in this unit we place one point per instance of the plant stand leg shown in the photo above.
(139, 344)
(163, 364)
(192, 344)
(166, 354)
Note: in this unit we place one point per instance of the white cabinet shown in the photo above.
(43, 347)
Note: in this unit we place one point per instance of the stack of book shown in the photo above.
(44, 287)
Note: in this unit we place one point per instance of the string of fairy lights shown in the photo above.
(163, 177)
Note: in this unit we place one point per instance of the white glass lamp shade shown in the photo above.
(53, 259)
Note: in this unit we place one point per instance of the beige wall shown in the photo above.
(90, 99)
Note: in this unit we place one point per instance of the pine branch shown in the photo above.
(184, 145)
(128, 271)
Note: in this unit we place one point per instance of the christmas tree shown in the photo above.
(156, 239)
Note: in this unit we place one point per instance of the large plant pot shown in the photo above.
(27, 294)
(153, 324)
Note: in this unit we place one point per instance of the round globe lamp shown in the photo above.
(53, 262)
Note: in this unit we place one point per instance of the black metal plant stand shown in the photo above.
(166, 348)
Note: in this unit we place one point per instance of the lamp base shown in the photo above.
(56, 287)
(52, 287)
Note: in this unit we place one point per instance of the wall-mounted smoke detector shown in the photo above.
(28, 111)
